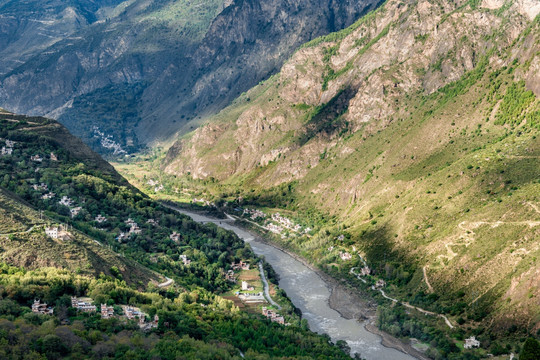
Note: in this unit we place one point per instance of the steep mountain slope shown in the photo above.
(113, 246)
(152, 68)
(417, 130)
(24, 243)
(28, 27)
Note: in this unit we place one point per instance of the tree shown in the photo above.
(531, 350)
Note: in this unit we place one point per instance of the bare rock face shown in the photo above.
(360, 78)
(153, 75)
(29, 27)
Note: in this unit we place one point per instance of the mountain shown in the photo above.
(70, 225)
(153, 67)
(29, 27)
(414, 134)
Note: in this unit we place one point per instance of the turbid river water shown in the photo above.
(310, 293)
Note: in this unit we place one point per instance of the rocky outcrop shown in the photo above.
(186, 70)
(29, 27)
(402, 50)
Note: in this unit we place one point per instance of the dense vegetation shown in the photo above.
(192, 325)
(194, 321)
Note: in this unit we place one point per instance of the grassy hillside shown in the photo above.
(414, 134)
(23, 242)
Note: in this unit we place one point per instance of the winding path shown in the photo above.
(267, 288)
(167, 283)
(426, 279)
(406, 304)
(19, 232)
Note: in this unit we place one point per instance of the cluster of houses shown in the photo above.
(135, 313)
(204, 202)
(42, 308)
(273, 316)
(240, 266)
(36, 158)
(287, 223)
(345, 256)
(253, 214)
(157, 186)
(8, 148)
(365, 271)
(175, 237)
(40, 187)
(276, 229)
(107, 312)
(229, 276)
(48, 195)
(251, 297)
(133, 229)
(107, 142)
(74, 210)
(81, 305)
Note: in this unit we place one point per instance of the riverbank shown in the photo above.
(346, 302)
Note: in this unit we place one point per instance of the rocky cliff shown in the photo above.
(155, 66)
(417, 128)
(29, 27)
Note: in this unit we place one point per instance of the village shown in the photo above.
(251, 293)
(107, 142)
(85, 305)
(276, 223)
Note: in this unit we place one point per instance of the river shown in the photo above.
(310, 293)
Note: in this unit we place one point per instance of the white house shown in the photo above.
(52, 232)
(471, 343)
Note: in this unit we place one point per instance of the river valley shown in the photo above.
(311, 293)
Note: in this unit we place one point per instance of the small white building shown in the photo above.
(185, 259)
(175, 237)
(471, 343)
(345, 256)
(36, 158)
(7, 150)
(48, 196)
(365, 271)
(75, 211)
(66, 201)
(246, 286)
(135, 229)
(53, 157)
(100, 219)
(121, 237)
(52, 232)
